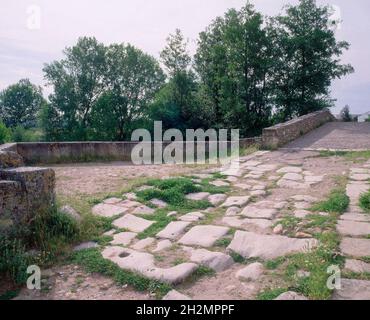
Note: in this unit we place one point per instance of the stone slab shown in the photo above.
(203, 236)
(173, 230)
(132, 223)
(253, 245)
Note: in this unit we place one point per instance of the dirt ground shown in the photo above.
(95, 178)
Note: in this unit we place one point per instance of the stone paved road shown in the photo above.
(336, 135)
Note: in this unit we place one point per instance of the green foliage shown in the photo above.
(93, 262)
(271, 294)
(233, 60)
(9, 295)
(306, 59)
(337, 202)
(365, 201)
(173, 192)
(20, 134)
(20, 104)
(345, 114)
(4, 133)
(48, 233)
(100, 91)
(13, 259)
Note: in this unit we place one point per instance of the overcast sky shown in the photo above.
(24, 47)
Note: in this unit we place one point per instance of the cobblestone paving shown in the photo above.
(261, 219)
(263, 193)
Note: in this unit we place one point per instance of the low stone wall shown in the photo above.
(284, 133)
(62, 152)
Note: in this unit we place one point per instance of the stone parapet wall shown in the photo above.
(25, 192)
(284, 133)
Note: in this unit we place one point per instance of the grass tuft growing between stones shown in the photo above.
(337, 202)
(271, 294)
(161, 221)
(93, 262)
(365, 202)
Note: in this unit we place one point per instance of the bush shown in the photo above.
(4, 133)
(20, 134)
(13, 259)
(47, 235)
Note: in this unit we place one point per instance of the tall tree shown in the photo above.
(20, 104)
(99, 92)
(132, 79)
(176, 104)
(78, 83)
(307, 59)
(233, 61)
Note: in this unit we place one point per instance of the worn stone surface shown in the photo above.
(108, 210)
(293, 176)
(216, 199)
(123, 238)
(251, 272)
(143, 263)
(237, 201)
(353, 228)
(357, 266)
(253, 245)
(360, 176)
(353, 290)
(219, 183)
(175, 295)
(192, 217)
(203, 236)
(163, 245)
(143, 244)
(173, 230)
(355, 247)
(354, 190)
(290, 184)
(112, 200)
(355, 217)
(143, 210)
(255, 212)
(197, 196)
(217, 261)
(259, 225)
(290, 170)
(304, 198)
(132, 223)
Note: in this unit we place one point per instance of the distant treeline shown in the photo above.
(249, 71)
